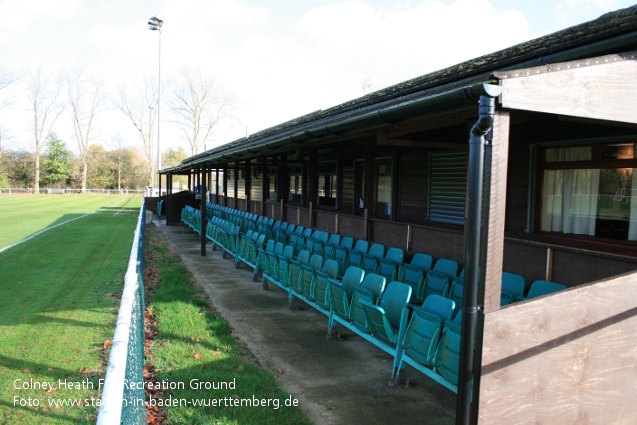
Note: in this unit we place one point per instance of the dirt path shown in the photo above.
(336, 382)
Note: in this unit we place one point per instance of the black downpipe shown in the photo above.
(472, 257)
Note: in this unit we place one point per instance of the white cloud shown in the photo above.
(19, 16)
(223, 14)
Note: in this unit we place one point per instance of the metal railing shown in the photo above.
(65, 191)
(120, 403)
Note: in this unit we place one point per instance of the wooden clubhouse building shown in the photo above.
(523, 160)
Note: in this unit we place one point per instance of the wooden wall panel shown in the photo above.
(526, 260)
(572, 268)
(566, 358)
(351, 226)
(390, 234)
(292, 215)
(439, 243)
(413, 185)
(325, 220)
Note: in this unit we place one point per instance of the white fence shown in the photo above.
(62, 191)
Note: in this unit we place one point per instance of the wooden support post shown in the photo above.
(549, 264)
(236, 186)
(336, 223)
(497, 153)
(365, 223)
(311, 224)
(492, 237)
(282, 210)
(204, 217)
(409, 237)
(169, 182)
(264, 187)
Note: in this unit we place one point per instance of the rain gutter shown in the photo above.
(386, 116)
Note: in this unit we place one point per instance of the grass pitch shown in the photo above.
(60, 298)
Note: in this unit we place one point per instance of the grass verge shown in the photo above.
(57, 312)
(194, 349)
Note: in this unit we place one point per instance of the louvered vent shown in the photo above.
(447, 186)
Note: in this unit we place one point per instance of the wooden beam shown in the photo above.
(496, 192)
(602, 88)
(421, 144)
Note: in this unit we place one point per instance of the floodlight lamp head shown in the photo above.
(154, 23)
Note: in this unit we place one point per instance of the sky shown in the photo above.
(280, 58)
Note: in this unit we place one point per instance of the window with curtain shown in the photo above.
(588, 190)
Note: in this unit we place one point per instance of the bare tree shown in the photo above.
(140, 109)
(5, 79)
(86, 99)
(198, 104)
(42, 92)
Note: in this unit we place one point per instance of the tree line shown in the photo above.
(196, 107)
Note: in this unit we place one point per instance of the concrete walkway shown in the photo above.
(336, 382)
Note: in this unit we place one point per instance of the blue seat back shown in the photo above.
(439, 306)
(512, 288)
(347, 242)
(394, 299)
(543, 287)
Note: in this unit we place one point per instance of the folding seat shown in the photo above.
(447, 360)
(253, 251)
(318, 239)
(231, 242)
(280, 276)
(284, 236)
(425, 328)
(543, 287)
(295, 270)
(438, 279)
(271, 271)
(322, 285)
(341, 292)
(209, 229)
(413, 274)
(341, 252)
(388, 322)
(328, 247)
(280, 236)
(306, 282)
(355, 255)
(345, 300)
(390, 264)
(370, 260)
(512, 288)
(297, 240)
(262, 258)
(370, 290)
(243, 241)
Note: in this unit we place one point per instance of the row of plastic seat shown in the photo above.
(309, 265)
(191, 218)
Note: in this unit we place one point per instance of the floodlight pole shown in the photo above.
(154, 24)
